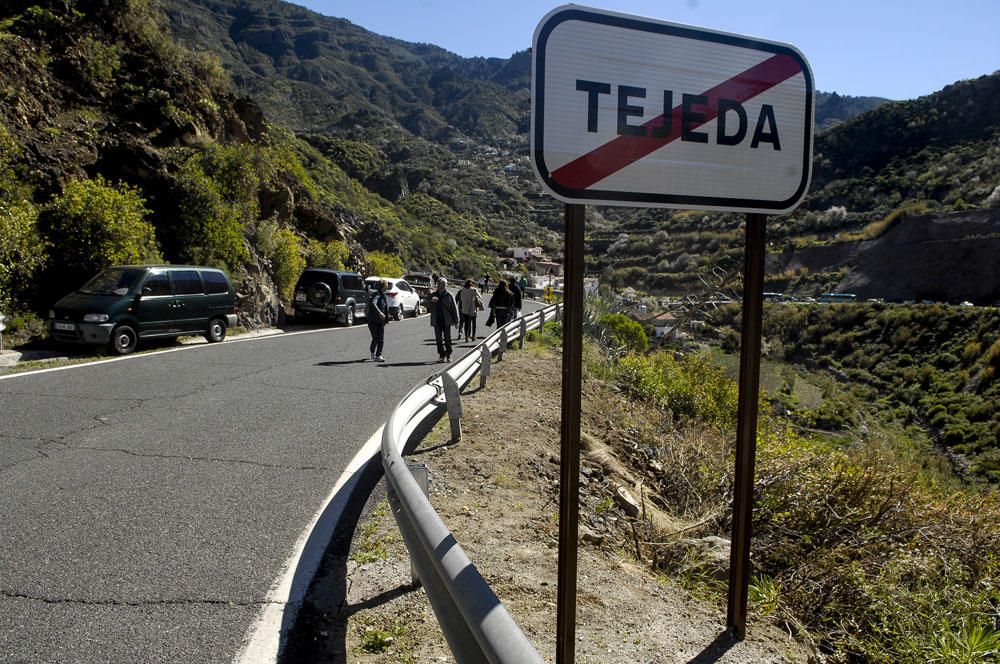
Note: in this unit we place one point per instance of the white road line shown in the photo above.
(137, 356)
(264, 641)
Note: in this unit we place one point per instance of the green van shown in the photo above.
(126, 303)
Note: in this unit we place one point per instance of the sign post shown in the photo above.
(641, 112)
(2, 328)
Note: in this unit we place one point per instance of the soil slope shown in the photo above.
(498, 492)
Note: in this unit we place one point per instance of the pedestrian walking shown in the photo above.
(377, 315)
(444, 316)
(486, 282)
(469, 304)
(515, 294)
(500, 304)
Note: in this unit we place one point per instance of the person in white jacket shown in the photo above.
(469, 304)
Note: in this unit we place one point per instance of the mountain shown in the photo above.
(316, 73)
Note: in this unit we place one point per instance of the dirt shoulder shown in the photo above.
(497, 491)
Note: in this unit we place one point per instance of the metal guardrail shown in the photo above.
(475, 623)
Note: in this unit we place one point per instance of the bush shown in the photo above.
(209, 227)
(22, 251)
(283, 248)
(330, 254)
(385, 265)
(625, 333)
(691, 387)
(95, 224)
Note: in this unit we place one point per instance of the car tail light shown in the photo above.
(392, 293)
(338, 300)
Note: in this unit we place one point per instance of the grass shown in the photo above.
(368, 546)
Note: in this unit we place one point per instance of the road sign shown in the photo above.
(641, 112)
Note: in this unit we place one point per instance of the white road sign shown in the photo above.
(636, 111)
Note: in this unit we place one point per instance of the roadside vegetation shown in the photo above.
(865, 544)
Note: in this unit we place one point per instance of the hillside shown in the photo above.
(452, 127)
(383, 147)
(907, 261)
(121, 146)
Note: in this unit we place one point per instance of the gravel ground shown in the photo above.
(497, 491)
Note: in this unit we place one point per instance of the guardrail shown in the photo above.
(475, 623)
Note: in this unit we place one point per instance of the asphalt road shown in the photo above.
(149, 503)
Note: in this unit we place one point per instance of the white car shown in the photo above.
(403, 301)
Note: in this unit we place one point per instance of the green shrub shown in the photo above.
(22, 251)
(95, 224)
(383, 264)
(332, 254)
(624, 332)
(690, 387)
(283, 248)
(209, 227)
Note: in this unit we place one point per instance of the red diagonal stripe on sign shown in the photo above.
(621, 151)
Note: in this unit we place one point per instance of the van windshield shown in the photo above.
(113, 281)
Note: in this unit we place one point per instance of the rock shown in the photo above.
(712, 555)
(627, 502)
(588, 536)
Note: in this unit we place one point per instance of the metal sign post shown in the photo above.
(636, 111)
(569, 454)
(746, 424)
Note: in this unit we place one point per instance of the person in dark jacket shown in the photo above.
(444, 316)
(377, 315)
(515, 293)
(500, 303)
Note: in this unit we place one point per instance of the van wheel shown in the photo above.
(349, 317)
(123, 340)
(216, 331)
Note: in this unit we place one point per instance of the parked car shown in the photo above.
(421, 284)
(126, 303)
(332, 293)
(402, 299)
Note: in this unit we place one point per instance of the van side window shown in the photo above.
(353, 283)
(215, 282)
(158, 283)
(187, 282)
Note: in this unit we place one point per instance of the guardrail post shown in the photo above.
(484, 365)
(420, 474)
(453, 401)
(503, 344)
(541, 320)
(559, 314)
(524, 332)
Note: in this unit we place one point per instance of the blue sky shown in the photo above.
(900, 49)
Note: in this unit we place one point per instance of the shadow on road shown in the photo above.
(317, 632)
(331, 363)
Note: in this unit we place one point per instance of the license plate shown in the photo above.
(69, 327)
(300, 297)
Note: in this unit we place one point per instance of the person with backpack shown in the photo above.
(377, 315)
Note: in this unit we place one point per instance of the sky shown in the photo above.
(899, 49)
